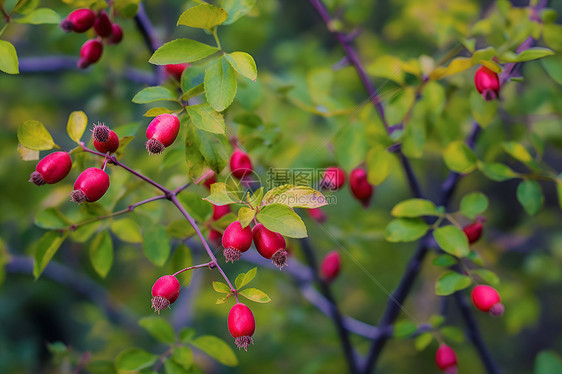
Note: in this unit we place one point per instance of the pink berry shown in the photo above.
(90, 186)
(487, 299)
(333, 179)
(162, 132)
(360, 187)
(236, 240)
(220, 211)
(79, 20)
(116, 34)
(102, 25)
(487, 83)
(176, 70)
(240, 164)
(241, 325)
(52, 168)
(165, 291)
(90, 53)
(446, 359)
(330, 266)
(270, 245)
(110, 145)
(215, 237)
(210, 181)
(317, 214)
(473, 231)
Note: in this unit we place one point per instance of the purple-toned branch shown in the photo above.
(146, 29)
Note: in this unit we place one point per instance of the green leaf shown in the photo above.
(450, 282)
(217, 349)
(198, 208)
(548, 362)
(453, 333)
(295, 197)
(221, 287)
(203, 16)
(423, 340)
(101, 253)
(156, 244)
(153, 112)
(194, 91)
(183, 356)
(244, 64)
(206, 118)
(187, 334)
(405, 229)
(51, 219)
(76, 125)
(553, 66)
(246, 215)
(244, 278)
(127, 230)
(33, 135)
(527, 55)
(529, 194)
(488, 276)
(172, 367)
(215, 149)
(220, 84)
(379, 164)
(180, 51)
(181, 259)
(517, 151)
(283, 220)
(559, 191)
(496, 171)
(414, 208)
(444, 261)
(222, 194)
(256, 198)
(457, 65)
(473, 204)
(436, 320)
(158, 328)
(8, 58)
(40, 16)
(255, 295)
(45, 249)
(350, 145)
(404, 329)
(101, 367)
(236, 9)
(459, 157)
(452, 240)
(483, 111)
(152, 94)
(133, 359)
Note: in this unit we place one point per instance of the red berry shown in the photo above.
(176, 70)
(473, 231)
(333, 178)
(360, 187)
(110, 145)
(90, 186)
(52, 168)
(330, 266)
(116, 34)
(446, 359)
(165, 291)
(487, 299)
(317, 214)
(240, 164)
(102, 25)
(235, 240)
(162, 132)
(209, 181)
(241, 325)
(487, 83)
(220, 211)
(215, 237)
(79, 20)
(90, 53)
(270, 245)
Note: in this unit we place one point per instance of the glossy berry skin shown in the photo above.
(360, 187)
(79, 20)
(241, 325)
(165, 291)
(110, 145)
(90, 185)
(487, 83)
(220, 211)
(210, 181)
(473, 232)
(446, 359)
(487, 299)
(102, 25)
(317, 214)
(52, 168)
(333, 179)
(331, 265)
(240, 164)
(176, 70)
(215, 237)
(90, 53)
(116, 34)
(270, 245)
(236, 240)
(162, 132)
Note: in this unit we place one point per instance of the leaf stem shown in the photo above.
(215, 35)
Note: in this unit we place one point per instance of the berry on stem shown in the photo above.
(240, 164)
(241, 325)
(110, 145)
(360, 187)
(446, 359)
(215, 237)
(487, 83)
(52, 168)
(220, 211)
(162, 132)
(333, 179)
(236, 240)
(102, 25)
(90, 186)
(176, 70)
(165, 291)
(487, 299)
(270, 245)
(116, 34)
(473, 231)
(90, 53)
(330, 266)
(79, 20)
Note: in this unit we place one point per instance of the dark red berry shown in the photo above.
(110, 145)
(360, 187)
(90, 186)
(52, 168)
(116, 34)
(446, 359)
(332, 179)
(176, 70)
(165, 291)
(102, 25)
(241, 325)
(215, 237)
(79, 20)
(240, 164)
(330, 266)
(473, 231)
(162, 132)
(235, 240)
(220, 211)
(270, 245)
(487, 299)
(487, 83)
(90, 53)
(317, 214)
(209, 181)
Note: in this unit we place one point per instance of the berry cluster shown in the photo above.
(334, 179)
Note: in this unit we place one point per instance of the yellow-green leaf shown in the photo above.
(452, 240)
(153, 112)
(8, 58)
(283, 220)
(459, 157)
(517, 151)
(206, 118)
(221, 287)
(217, 349)
(246, 215)
(450, 282)
(414, 208)
(295, 197)
(76, 125)
(405, 229)
(45, 249)
(244, 278)
(203, 16)
(244, 64)
(101, 253)
(255, 295)
(33, 135)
